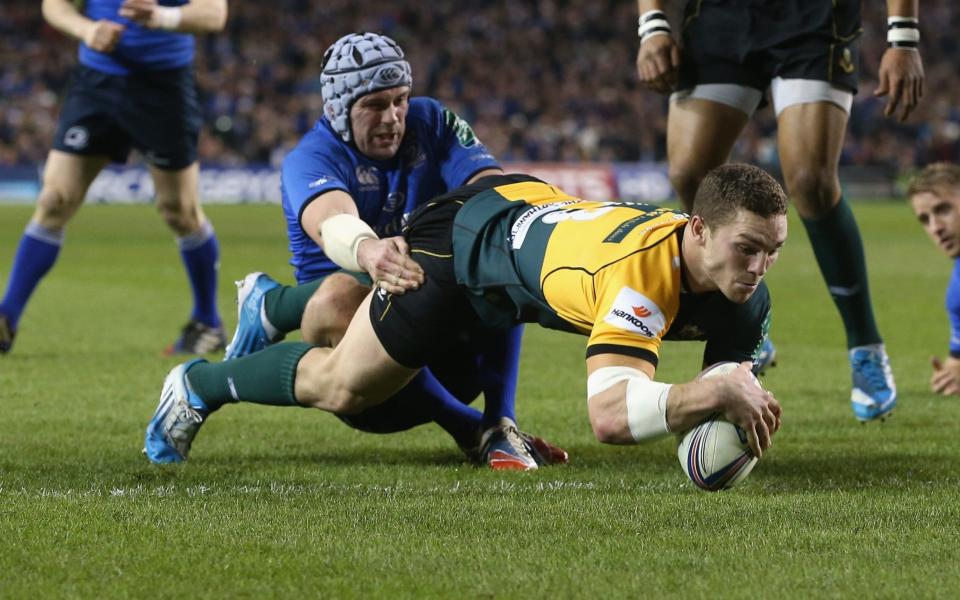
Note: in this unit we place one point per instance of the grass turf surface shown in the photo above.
(276, 502)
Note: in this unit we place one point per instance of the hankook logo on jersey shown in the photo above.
(318, 182)
(76, 137)
(635, 312)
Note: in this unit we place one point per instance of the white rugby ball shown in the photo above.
(715, 454)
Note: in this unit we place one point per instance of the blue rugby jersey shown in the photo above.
(439, 152)
(953, 309)
(139, 47)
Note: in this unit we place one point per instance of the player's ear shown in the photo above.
(697, 228)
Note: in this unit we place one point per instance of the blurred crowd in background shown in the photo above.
(540, 80)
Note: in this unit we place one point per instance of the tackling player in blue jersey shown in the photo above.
(134, 88)
(935, 197)
(374, 156)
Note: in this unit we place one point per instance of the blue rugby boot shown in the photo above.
(767, 357)
(254, 332)
(177, 420)
(874, 393)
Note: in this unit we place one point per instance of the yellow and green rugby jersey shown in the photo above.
(528, 251)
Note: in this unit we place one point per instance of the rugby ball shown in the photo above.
(715, 454)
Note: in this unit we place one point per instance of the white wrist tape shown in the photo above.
(652, 23)
(646, 400)
(903, 32)
(342, 235)
(166, 17)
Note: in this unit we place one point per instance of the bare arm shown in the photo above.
(386, 260)
(658, 58)
(945, 378)
(197, 16)
(734, 395)
(484, 173)
(63, 16)
(901, 70)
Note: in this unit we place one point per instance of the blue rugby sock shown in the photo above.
(201, 257)
(35, 256)
(499, 366)
(423, 400)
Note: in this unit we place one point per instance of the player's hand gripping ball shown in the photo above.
(715, 454)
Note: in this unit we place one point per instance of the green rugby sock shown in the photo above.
(264, 377)
(839, 250)
(284, 305)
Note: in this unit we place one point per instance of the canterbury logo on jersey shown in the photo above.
(632, 311)
(367, 176)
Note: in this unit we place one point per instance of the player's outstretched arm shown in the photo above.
(658, 58)
(626, 406)
(901, 75)
(63, 16)
(197, 16)
(332, 220)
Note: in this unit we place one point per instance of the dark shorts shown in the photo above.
(156, 112)
(419, 327)
(749, 42)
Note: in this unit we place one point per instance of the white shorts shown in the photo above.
(783, 92)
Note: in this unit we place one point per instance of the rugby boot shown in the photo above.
(198, 338)
(503, 448)
(7, 333)
(254, 332)
(177, 419)
(874, 394)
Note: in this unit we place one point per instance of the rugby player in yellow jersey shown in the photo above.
(511, 248)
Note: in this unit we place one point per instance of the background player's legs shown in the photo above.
(700, 135)
(179, 204)
(810, 139)
(66, 178)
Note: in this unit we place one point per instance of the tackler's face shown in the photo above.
(378, 122)
(939, 214)
(738, 254)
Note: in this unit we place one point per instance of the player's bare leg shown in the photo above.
(178, 203)
(355, 375)
(330, 309)
(66, 178)
(810, 139)
(700, 135)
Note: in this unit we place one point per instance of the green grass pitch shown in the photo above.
(289, 502)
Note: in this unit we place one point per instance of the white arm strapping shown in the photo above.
(342, 235)
(166, 17)
(646, 400)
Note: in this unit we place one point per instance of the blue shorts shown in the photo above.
(156, 112)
